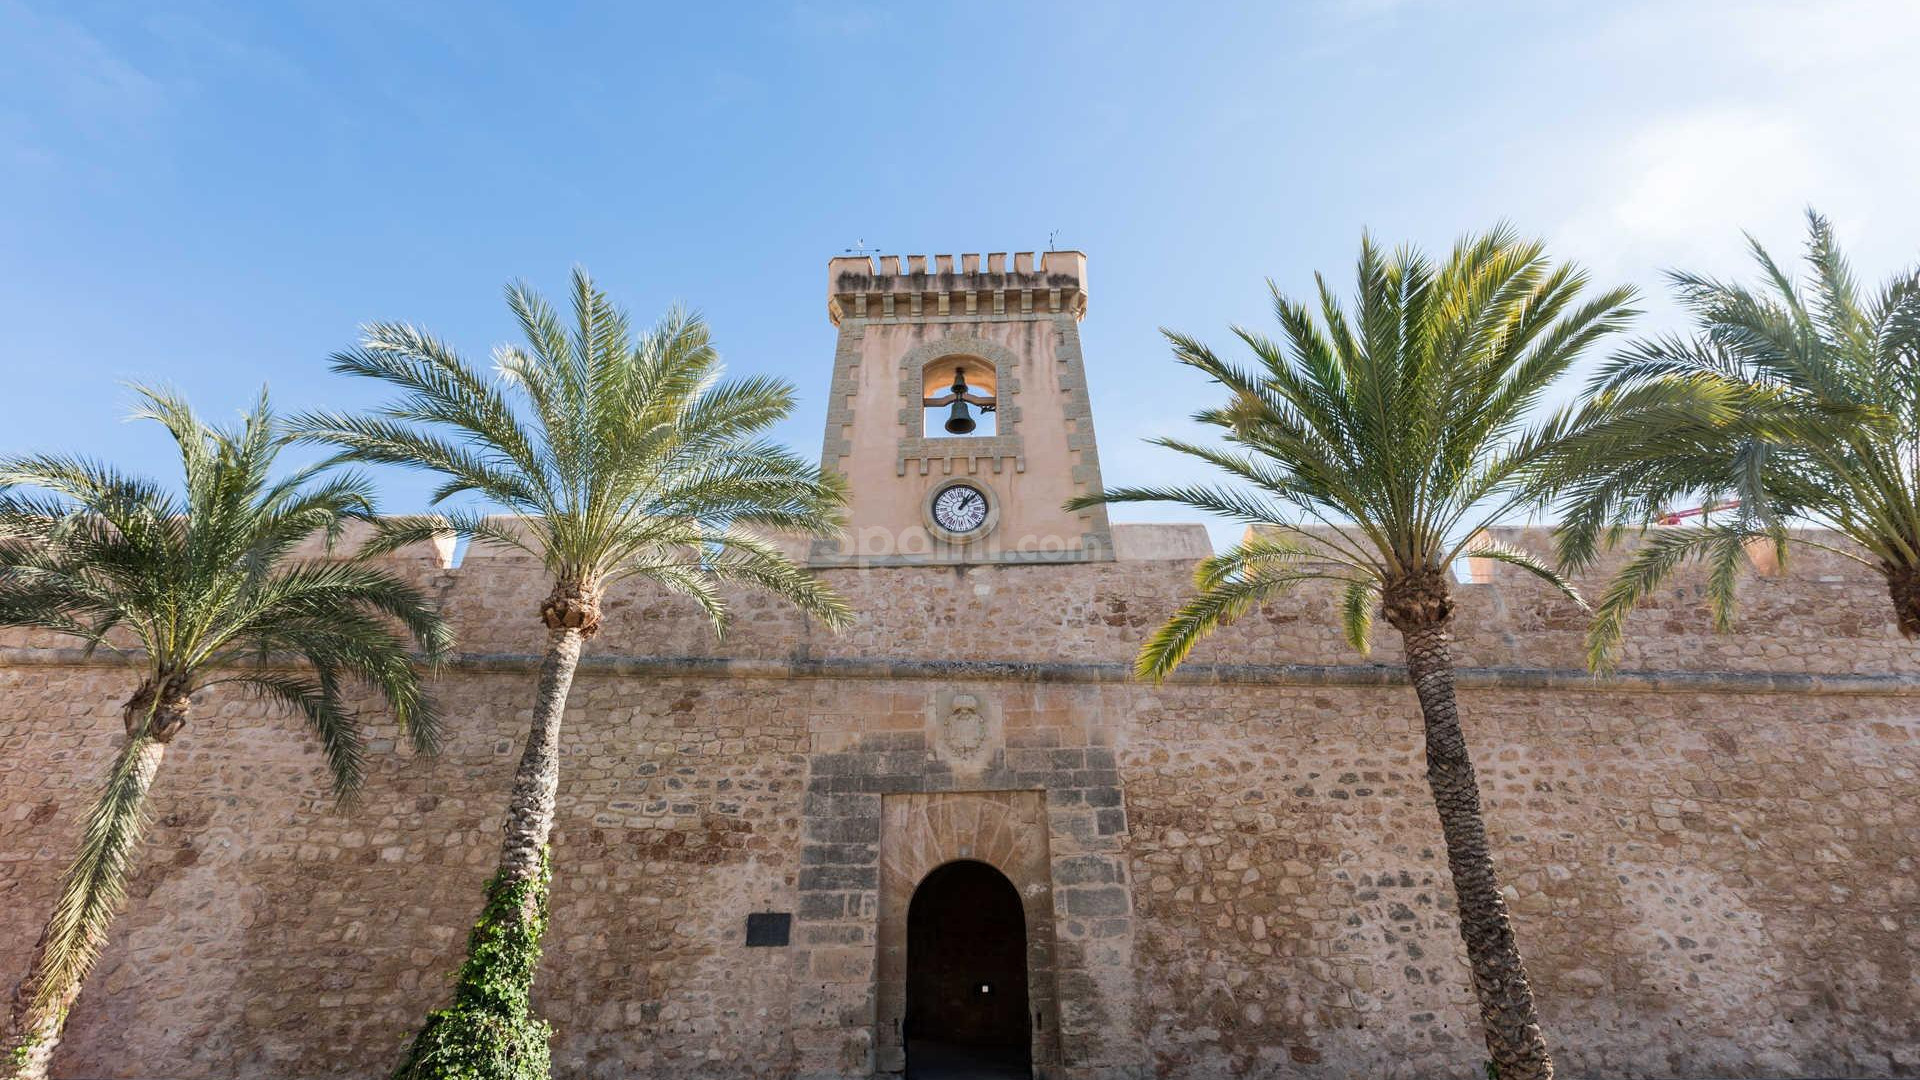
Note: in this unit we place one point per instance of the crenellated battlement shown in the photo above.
(915, 287)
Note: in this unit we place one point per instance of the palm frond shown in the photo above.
(207, 578)
(1200, 616)
(1382, 433)
(1357, 602)
(316, 698)
(1652, 563)
(1525, 560)
(624, 454)
(95, 883)
(1819, 389)
(747, 559)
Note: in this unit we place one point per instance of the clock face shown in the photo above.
(960, 508)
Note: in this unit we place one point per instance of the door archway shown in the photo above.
(967, 1003)
(919, 833)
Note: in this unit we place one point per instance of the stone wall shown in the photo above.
(1711, 859)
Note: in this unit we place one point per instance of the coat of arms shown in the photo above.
(966, 728)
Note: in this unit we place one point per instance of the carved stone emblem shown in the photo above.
(966, 728)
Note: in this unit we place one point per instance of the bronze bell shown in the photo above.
(960, 421)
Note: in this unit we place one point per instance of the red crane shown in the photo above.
(1675, 517)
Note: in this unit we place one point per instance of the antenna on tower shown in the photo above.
(1053, 236)
(860, 248)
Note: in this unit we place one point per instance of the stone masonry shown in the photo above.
(1711, 858)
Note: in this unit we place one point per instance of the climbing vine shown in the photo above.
(17, 1057)
(28, 1037)
(490, 1031)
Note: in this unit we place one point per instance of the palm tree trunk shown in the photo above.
(1903, 588)
(537, 782)
(490, 1030)
(1512, 1026)
(89, 894)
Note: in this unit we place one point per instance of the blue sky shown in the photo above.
(216, 195)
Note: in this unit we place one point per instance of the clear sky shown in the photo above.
(216, 195)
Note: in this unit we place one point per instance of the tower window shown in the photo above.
(958, 398)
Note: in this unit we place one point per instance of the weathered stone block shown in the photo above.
(1095, 901)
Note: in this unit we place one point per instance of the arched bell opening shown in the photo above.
(967, 1003)
(959, 396)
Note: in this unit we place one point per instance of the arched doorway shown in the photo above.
(967, 1013)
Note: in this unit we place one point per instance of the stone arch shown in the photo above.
(1004, 361)
(937, 378)
(1006, 830)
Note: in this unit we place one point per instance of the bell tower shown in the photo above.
(959, 413)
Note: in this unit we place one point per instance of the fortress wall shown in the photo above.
(1702, 884)
(269, 934)
(1711, 878)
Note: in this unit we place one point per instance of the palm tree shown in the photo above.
(1371, 452)
(1827, 433)
(621, 458)
(205, 588)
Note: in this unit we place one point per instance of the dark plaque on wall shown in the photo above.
(768, 927)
